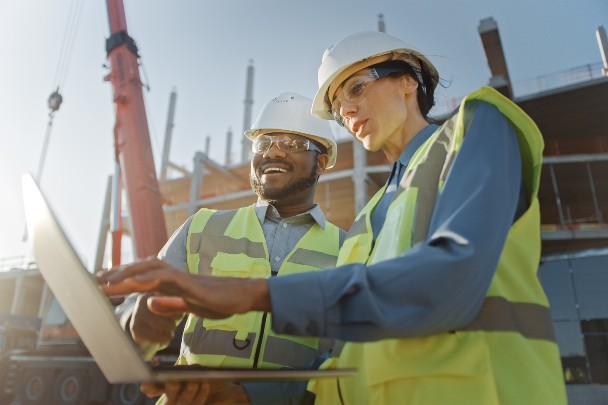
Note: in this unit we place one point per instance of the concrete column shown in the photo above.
(602, 41)
(492, 45)
(359, 175)
(197, 181)
(246, 150)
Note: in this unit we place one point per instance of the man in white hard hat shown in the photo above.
(283, 232)
(436, 290)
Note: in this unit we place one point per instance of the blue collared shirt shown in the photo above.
(397, 170)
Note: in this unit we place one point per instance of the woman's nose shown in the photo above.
(347, 109)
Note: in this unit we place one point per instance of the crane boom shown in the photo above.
(132, 138)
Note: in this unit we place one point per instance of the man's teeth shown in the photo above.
(274, 170)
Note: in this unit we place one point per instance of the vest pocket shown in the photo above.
(239, 265)
(227, 342)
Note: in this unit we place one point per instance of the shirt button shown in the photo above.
(284, 225)
(277, 259)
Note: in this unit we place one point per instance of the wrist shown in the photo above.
(260, 295)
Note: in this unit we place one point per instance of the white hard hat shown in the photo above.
(290, 112)
(357, 52)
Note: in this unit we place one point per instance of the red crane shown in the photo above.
(132, 142)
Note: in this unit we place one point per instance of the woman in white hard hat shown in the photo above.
(443, 259)
(435, 292)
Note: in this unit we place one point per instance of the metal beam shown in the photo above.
(565, 234)
(592, 157)
(248, 193)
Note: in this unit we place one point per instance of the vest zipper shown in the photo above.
(258, 348)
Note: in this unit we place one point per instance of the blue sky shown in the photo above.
(202, 49)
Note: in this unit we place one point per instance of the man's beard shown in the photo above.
(277, 194)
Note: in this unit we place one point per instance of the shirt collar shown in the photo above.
(264, 211)
(415, 143)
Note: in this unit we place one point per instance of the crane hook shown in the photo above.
(55, 100)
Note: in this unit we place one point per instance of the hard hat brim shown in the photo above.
(320, 105)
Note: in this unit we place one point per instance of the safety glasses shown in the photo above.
(287, 144)
(353, 89)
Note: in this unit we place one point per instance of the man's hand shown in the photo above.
(198, 393)
(149, 326)
(205, 296)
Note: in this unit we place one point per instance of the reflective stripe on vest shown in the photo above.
(232, 243)
(214, 341)
(477, 363)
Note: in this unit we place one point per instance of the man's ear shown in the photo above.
(322, 159)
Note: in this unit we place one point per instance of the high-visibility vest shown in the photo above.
(231, 243)
(508, 354)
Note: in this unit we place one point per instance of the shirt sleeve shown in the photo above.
(436, 286)
(174, 253)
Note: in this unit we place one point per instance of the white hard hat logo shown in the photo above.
(278, 100)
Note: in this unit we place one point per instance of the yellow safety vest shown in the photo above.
(231, 243)
(508, 354)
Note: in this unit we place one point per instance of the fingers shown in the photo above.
(152, 390)
(167, 306)
(204, 312)
(146, 326)
(129, 285)
(212, 297)
(168, 281)
(172, 391)
(186, 393)
(125, 271)
(202, 395)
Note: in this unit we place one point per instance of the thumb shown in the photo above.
(166, 306)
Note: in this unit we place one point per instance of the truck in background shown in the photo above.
(42, 359)
(49, 364)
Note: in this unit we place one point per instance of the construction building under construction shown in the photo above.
(569, 108)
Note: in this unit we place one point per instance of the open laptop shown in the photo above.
(93, 317)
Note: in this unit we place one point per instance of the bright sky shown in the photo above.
(202, 48)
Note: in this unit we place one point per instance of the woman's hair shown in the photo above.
(418, 70)
(426, 101)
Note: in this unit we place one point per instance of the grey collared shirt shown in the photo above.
(281, 234)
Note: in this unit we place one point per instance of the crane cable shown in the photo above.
(55, 99)
(65, 53)
(67, 44)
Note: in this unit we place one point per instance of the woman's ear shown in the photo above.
(410, 84)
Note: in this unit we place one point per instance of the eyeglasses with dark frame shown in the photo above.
(353, 88)
(263, 143)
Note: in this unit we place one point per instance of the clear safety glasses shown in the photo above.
(263, 143)
(354, 87)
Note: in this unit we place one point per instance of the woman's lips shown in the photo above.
(358, 127)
